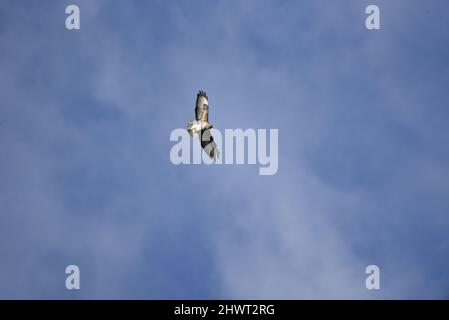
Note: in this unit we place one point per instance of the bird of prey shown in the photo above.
(201, 126)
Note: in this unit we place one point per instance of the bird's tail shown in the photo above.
(190, 128)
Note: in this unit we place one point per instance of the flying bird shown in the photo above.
(201, 126)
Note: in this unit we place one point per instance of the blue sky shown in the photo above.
(86, 179)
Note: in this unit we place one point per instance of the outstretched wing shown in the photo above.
(208, 144)
(202, 107)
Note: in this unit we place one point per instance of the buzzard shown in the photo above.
(202, 126)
